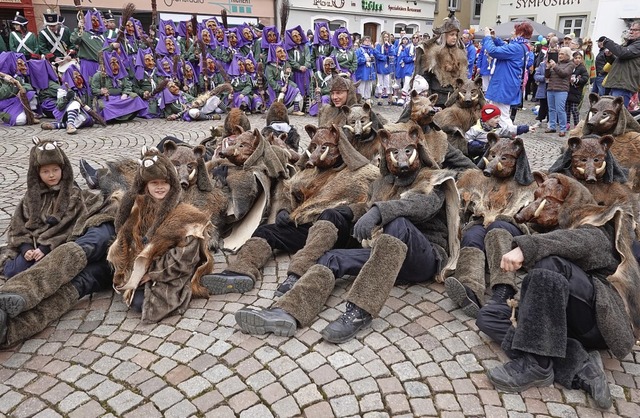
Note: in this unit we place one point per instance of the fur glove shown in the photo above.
(364, 227)
(283, 218)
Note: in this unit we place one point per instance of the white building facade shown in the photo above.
(368, 18)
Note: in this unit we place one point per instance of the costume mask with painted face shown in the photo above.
(115, 66)
(168, 30)
(211, 24)
(343, 40)
(188, 72)
(281, 55)
(233, 40)
(166, 67)
(271, 37)
(206, 36)
(219, 35)
(247, 34)
(21, 66)
(95, 23)
(241, 66)
(248, 64)
(149, 62)
(211, 65)
(130, 28)
(296, 37)
(173, 88)
(78, 81)
(170, 46)
(324, 33)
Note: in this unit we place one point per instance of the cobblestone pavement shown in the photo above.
(421, 357)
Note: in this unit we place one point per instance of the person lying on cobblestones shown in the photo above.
(411, 223)
(160, 251)
(46, 215)
(573, 298)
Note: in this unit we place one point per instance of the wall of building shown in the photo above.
(262, 10)
(364, 17)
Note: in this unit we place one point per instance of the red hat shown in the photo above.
(489, 111)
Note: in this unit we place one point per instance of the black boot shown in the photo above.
(286, 285)
(592, 380)
(3, 327)
(501, 293)
(227, 282)
(347, 326)
(274, 320)
(521, 374)
(463, 296)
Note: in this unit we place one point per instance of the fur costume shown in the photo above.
(489, 198)
(330, 114)
(161, 244)
(390, 194)
(313, 190)
(617, 302)
(440, 64)
(46, 216)
(278, 123)
(361, 129)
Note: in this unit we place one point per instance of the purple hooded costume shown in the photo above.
(275, 73)
(83, 94)
(298, 56)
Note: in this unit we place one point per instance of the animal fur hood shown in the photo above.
(312, 190)
(43, 153)
(446, 63)
(626, 122)
(614, 173)
(153, 165)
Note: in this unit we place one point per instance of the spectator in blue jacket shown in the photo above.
(366, 71)
(467, 40)
(406, 55)
(385, 66)
(505, 87)
(485, 64)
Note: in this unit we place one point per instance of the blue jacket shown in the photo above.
(538, 77)
(471, 58)
(506, 83)
(363, 72)
(406, 57)
(385, 58)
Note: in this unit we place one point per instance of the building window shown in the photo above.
(453, 4)
(335, 24)
(408, 29)
(477, 8)
(573, 24)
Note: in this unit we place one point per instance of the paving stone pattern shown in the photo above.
(421, 357)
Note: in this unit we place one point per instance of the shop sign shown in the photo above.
(372, 6)
(337, 4)
(522, 4)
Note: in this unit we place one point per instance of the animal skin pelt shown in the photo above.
(132, 259)
(447, 63)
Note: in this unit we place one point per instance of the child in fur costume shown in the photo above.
(160, 251)
(45, 217)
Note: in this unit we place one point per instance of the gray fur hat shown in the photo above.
(44, 153)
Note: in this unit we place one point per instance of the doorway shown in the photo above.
(371, 30)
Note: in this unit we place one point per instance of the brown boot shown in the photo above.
(307, 298)
(31, 322)
(242, 273)
(43, 279)
(47, 126)
(467, 286)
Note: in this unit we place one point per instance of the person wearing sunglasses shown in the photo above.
(624, 76)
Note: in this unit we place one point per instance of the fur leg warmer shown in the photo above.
(322, 237)
(306, 299)
(44, 279)
(31, 322)
(542, 319)
(253, 255)
(470, 271)
(565, 369)
(497, 243)
(371, 288)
